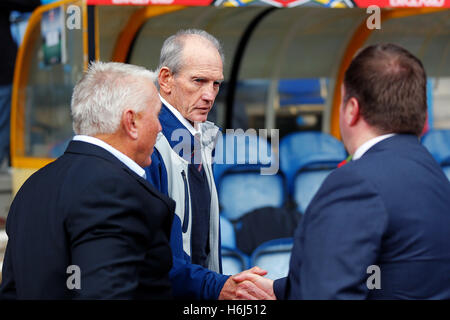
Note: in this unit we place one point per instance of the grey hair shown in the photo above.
(103, 94)
(171, 51)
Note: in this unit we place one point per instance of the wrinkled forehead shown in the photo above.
(200, 53)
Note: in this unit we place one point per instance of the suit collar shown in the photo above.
(130, 163)
(393, 143)
(184, 122)
(170, 123)
(85, 148)
(81, 147)
(369, 144)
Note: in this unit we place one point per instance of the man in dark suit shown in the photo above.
(89, 225)
(379, 226)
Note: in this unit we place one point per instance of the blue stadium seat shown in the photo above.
(438, 143)
(446, 169)
(227, 234)
(240, 193)
(273, 256)
(240, 183)
(233, 261)
(306, 184)
(306, 159)
(300, 91)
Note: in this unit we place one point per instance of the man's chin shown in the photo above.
(200, 119)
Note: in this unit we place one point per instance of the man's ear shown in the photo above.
(129, 123)
(351, 112)
(165, 79)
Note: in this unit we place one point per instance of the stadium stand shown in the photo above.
(273, 256)
(300, 91)
(237, 171)
(233, 261)
(438, 143)
(227, 234)
(306, 159)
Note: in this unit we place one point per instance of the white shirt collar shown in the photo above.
(369, 144)
(119, 155)
(185, 122)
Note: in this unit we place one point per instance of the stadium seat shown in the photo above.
(300, 91)
(239, 163)
(307, 183)
(233, 261)
(438, 143)
(273, 256)
(447, 171)
(306, 159)
(227, 234)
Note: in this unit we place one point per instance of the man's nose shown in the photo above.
(209, 93)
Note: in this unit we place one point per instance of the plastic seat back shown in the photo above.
(273, 256)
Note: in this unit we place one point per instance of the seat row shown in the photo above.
(246, 175)
(438, 143)
(273, 256)
(306, 158)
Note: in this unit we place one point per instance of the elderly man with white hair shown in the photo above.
(189, 76)
(89, 225)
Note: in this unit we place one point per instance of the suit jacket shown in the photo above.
(90, 210)
(391, 209)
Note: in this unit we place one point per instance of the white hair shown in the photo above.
(104, 92)
(171, 51)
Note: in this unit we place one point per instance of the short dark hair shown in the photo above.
(390, 86)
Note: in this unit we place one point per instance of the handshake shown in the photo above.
(248, 285)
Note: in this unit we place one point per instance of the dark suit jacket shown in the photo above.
(391, 208)
(88, 209)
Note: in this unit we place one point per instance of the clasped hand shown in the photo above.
(248, 285)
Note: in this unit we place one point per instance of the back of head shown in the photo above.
(390, 86)
(104, 92)
(172, 49)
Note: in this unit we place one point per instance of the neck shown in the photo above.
(114, 141)
(361, 137)
(169, 101)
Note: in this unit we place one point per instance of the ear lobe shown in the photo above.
(352, 112)
(165, 80)
(129, 123)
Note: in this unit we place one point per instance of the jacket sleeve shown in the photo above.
(189, 281)
(156, 173)
(337, 240)
(8, 285)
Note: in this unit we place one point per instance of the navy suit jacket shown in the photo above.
(390, 208)
(90, 210)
